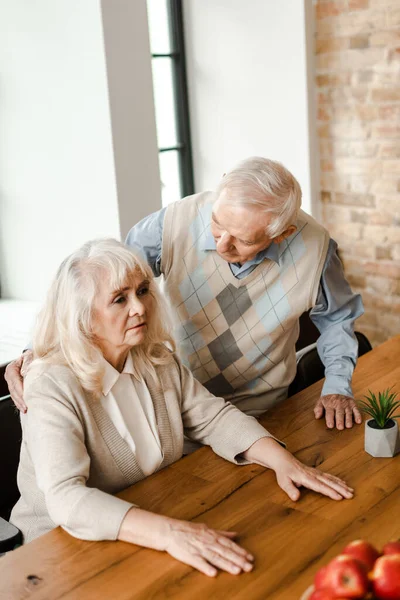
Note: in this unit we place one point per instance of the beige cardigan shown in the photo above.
(73, 459)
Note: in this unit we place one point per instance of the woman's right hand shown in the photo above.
(194, 544)
(14, 376)
(207, 550)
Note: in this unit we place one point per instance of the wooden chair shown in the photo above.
(309, 367)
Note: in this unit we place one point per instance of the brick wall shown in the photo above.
(358, 86)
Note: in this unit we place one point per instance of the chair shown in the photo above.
(10, 445)
(309, 367)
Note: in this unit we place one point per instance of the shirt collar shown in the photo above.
(111, 375)
(271, 253)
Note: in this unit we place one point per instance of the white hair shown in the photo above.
(63, 333)
(264, 183)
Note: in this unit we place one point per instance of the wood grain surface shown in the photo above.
(289, 540)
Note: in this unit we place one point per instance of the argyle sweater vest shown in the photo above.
(238, 335)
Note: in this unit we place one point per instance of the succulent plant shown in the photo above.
(381, 408)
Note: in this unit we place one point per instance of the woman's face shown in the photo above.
(121, 317)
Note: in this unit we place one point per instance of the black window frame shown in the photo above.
(180, 91)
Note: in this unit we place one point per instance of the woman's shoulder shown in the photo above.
(43, 375)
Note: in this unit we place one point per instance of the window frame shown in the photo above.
(180, 92)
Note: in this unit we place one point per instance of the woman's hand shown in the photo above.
(292, 474)
(206, 549)
(194, 544)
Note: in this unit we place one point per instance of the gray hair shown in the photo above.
(264, 183)
(63, 332)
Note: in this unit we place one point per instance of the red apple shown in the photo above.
(386, 577)
(362, 551)
(346, 577)
(391, 548)
(320, 578)
(324, 594)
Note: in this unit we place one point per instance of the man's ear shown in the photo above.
(287, 233)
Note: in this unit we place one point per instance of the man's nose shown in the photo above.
(224, 242)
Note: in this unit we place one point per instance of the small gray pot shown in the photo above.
(381, 443)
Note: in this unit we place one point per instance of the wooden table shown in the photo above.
(290, 540)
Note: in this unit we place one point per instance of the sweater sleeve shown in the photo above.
(215, 422)
(55, 441)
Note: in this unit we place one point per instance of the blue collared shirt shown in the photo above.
(334, 313)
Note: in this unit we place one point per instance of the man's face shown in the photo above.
(239, 231)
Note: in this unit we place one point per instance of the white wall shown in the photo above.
(247, 74)
(58, 184)
(130, 85)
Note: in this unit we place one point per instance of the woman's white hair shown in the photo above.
(63, 333)
(264, 183)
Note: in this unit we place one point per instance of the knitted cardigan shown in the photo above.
(73, 459)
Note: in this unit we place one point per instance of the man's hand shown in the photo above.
(338, 409)
(14, 376)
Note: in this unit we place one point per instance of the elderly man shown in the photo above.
(240, 266)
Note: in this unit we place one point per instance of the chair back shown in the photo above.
(10, 446)
(310, 368)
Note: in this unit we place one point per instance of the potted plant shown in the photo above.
(381, 431)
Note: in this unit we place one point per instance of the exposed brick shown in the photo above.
(388, 94)
(326, 197)
(365, 149)
(333, 79)
(385, 131)
(383, 285)
(358, 216)
(322, 98)
(354, 23)
(366, 200)
(354, 130)
(329, 9)
(363, 76)
(356, 281)
(362, 112)
(393, 16)
(390, 150)
(359, 104)
(324, 114)
(324, 131)
(391, 166)
(376, 234)
(359, 59)
(358, 165)
(386, 185)
(384, 253)
(395, 248)
(358, 4)
(390, 204)
(331, 45)
(359, 41)
(390, 112)
(325, 148)
(326, 165)
(359, 249)
(385, 38)
(380, 218)
(345, 232)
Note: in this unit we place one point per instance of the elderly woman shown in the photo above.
(109, 403)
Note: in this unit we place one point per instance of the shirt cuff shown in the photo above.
(334, 384)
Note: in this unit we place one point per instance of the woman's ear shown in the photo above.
(287, 233)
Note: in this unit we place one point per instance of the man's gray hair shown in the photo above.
(267, 184)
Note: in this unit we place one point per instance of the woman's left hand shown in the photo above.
(292, 474)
